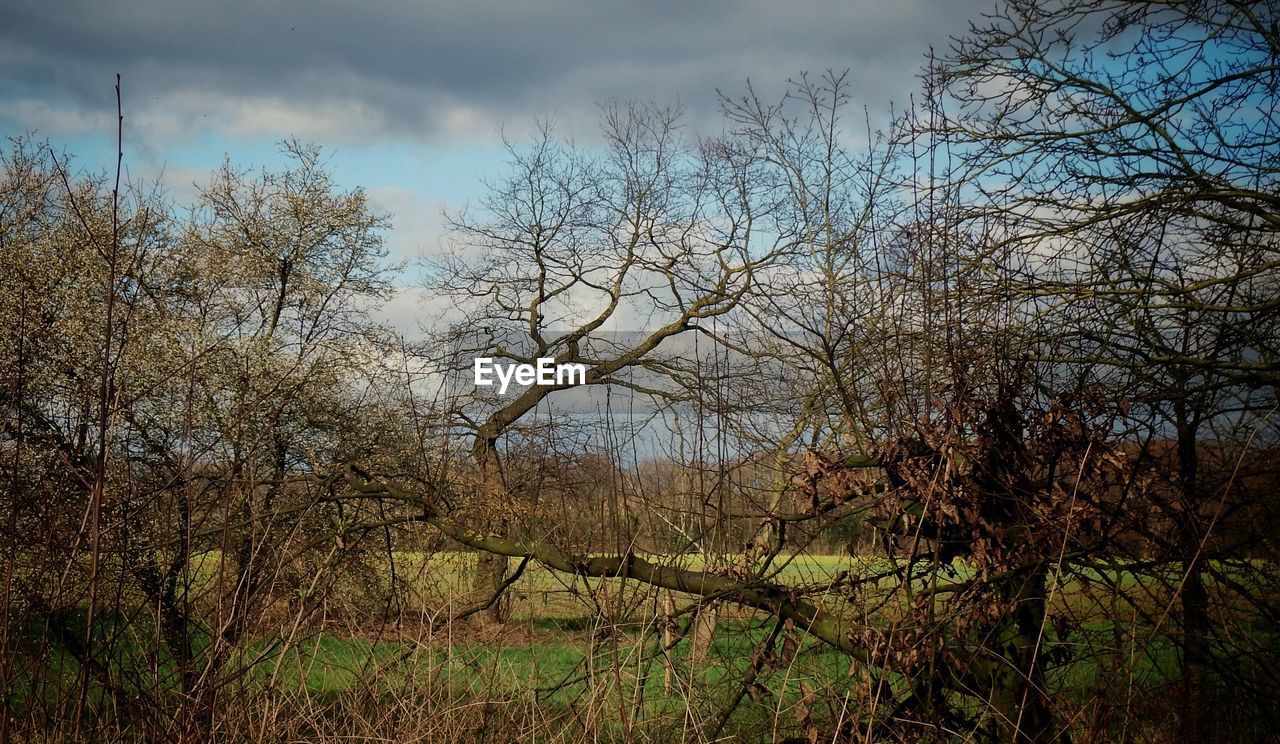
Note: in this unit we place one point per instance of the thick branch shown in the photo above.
(772, 598)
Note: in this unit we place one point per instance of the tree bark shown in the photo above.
(490, 570)
(1017, 674)
(1195, 598)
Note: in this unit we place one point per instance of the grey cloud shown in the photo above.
(409, 67)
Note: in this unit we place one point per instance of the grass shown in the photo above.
(576, 639)
(561, 630)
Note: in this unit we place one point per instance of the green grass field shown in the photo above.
(573, 639)
(560, 622)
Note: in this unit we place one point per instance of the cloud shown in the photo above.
(411, 311)
(341, 72)
(53, 119)
(318, 119)
(418, 224)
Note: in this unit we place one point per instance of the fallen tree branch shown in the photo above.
(772, 598)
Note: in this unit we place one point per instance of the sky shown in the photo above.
(411, 99)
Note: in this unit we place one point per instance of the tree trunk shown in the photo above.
(491, 568)
(1195, 655)
(704, 631)
(1017, 678)
(490, 572)
(1195, 598)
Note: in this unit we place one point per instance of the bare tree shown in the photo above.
(1130, 150)
(595, 260)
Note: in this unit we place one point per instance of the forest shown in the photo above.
(960, 429)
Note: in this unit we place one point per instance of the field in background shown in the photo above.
(565, 627)
(593, 655)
